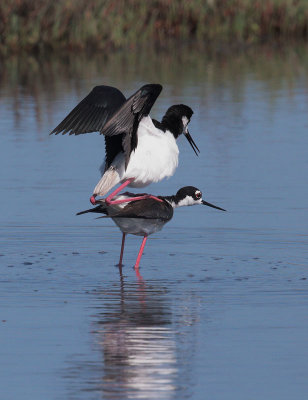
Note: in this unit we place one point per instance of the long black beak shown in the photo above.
(191, 142)
(212, 205)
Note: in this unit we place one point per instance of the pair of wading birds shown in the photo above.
(139, 151)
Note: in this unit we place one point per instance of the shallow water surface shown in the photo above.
(219, 308)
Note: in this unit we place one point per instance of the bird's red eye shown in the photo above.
(198, 195)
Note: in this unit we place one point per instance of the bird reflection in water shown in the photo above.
(138, 346)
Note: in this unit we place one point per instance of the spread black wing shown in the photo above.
(126, 119)
(92, 113)
(106, 109)
(132, 111)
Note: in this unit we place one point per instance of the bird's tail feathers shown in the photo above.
(107, 181)
(98, 209)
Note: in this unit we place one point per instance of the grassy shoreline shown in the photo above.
(108, 25)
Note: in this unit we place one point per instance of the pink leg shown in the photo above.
(128, 199)
(114, 193)
(122, 250)
(140, 252)
(140, 279)
(109, 200)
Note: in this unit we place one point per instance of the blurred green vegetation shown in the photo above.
(108, 25)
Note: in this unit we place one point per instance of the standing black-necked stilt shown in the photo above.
(139, 150)
(147, 216)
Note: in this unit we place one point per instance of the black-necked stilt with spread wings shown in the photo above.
(147, 216)
(139, 149)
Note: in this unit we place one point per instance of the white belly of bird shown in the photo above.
(155, 158)
(139, 226)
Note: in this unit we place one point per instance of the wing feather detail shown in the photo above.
(145, 209)
(106, 110)
(141, 209)
(126, 119)
(136, 107)
(91, 114)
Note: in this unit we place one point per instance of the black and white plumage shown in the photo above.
(147, 216)
(138, 150)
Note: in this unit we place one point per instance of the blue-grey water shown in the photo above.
(220, 309)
